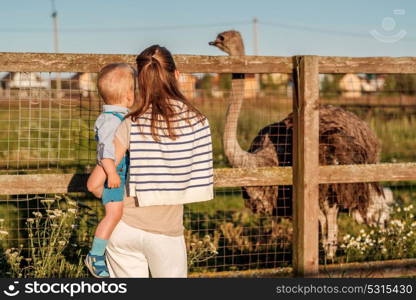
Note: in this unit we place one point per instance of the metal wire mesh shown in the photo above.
(242, 238)
(381, 226)
(47, 129)
(44, 128)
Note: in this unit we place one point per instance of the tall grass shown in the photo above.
(52, 248)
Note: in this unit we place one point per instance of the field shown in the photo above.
(46, 136)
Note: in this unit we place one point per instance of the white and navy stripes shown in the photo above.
(169, 172)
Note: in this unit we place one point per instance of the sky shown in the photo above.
(285, 28)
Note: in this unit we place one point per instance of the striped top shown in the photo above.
(168, 172)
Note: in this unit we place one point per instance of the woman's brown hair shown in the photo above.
(157, 85)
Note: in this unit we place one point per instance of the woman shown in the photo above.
(170, 164)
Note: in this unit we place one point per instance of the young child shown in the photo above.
(116, 87)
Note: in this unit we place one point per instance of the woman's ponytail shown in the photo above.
(157, 84)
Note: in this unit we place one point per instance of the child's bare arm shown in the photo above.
(109, 166)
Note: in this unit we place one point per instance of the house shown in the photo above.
(251, 86)
(351, 86)
(187, 85)
(354, 85)
(86, 83)
(24, 80)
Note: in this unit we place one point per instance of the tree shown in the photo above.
(330, 85)
(205, 84)
(400, 84)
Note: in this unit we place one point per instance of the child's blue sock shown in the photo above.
(98, 246)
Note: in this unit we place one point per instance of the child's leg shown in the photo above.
(113, 203)
(113, 213)
(95, 259)
(95, 183)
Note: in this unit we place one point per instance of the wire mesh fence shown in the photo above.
(244, 238)
(50, 130)
(47, 127)
(43, 128)
(378, 222)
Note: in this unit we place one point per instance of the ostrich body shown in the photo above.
(344, 139)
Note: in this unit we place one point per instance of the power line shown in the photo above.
(323, 30)
(125, 29)
(254, 23)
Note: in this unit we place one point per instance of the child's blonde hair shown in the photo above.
(115, 81)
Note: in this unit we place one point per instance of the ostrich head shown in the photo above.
(230, 42)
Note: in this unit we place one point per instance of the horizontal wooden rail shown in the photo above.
(71, 62)
(373, 269)
(231, 177)
(373, 65)
(42, 184)
(367, 173)
(68, 62)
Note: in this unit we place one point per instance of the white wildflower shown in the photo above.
(72, 210)
(72, 202)
(37, 214)
(47, 201)
(57, 212)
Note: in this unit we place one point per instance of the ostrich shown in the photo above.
(344, 139)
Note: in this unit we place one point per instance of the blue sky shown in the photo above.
(323, 27)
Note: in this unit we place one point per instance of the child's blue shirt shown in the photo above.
(105, 127)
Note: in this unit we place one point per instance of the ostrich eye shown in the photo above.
(221, 37)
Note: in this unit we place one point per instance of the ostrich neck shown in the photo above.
(236, 156)
(232, 148)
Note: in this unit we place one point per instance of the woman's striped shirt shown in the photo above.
(171, 171)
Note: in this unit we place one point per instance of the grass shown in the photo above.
(62, 139)
(222, 235)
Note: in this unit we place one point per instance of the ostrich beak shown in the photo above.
(219, 44)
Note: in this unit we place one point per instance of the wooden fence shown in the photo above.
(306, 175)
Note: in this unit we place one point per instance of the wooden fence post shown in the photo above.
(306, 166)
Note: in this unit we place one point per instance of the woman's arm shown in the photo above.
(120, 150)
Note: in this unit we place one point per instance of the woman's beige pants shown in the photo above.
(131, 252)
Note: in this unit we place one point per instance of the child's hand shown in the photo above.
(113, 180)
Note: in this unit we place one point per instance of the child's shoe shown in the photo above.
(97, 265)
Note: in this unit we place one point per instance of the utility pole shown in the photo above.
(56, 45)
(256, 52)
(255, 37)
